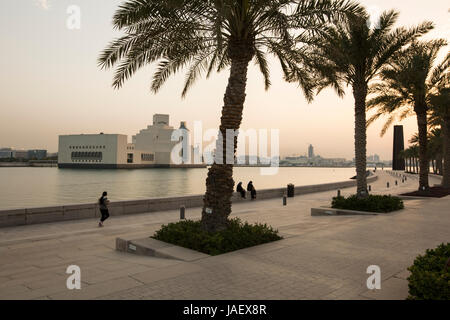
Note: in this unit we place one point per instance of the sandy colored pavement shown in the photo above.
(319, 258)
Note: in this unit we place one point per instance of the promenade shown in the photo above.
(319, 257)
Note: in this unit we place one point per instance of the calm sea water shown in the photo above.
(36, 187)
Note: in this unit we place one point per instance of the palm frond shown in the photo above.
(261, 61)
(198, 35)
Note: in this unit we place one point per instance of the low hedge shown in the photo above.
(430, 275)
(238, 235)
(371, 203)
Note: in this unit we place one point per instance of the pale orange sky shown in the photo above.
(50, 85)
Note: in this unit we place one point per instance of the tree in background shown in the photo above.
(352, 52)
(440, 117)
(407, 84)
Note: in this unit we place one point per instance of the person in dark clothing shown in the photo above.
(241, 190)
(103, 203)
(252, 190)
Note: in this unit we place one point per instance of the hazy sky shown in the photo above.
(50, 84)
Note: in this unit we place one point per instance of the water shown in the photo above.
(38, 187)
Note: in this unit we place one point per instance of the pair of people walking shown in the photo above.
(250, 188)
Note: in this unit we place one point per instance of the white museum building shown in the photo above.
(151, 147)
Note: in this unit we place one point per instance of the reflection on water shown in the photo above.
(37, 187)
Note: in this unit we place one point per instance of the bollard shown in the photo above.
(284, 200)
(182, 213)
(290, 190)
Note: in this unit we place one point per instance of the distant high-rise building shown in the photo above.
(310, 151)
(22, 154)
(37, 154)
(373, 158)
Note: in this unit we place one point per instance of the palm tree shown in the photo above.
(410, 155)
(207, 35)
(440, 116)
(434, 146)
(352, 53)
(406, 86)
(414, 151)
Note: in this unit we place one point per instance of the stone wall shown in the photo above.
(29, 164)
(19, 217)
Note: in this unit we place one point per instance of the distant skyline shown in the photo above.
(51, 85)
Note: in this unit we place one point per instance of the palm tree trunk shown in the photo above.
(446, 167)
(438, 162)
(424, 165)
(360, 94)
(219, 182)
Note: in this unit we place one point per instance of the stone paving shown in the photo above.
(319, 257)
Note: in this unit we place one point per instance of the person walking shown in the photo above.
(241, 190)
(103, 203)
(252, 190)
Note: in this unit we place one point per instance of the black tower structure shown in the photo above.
(399, 145)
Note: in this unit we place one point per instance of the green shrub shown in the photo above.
(430, 278)
(238, 235)
(371, 203)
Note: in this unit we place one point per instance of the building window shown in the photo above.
(147, 157)
(86, 156)
(129, 158)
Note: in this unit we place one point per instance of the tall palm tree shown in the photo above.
(440, 116)
(208, 35)
(406, 86)
(352, 52)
